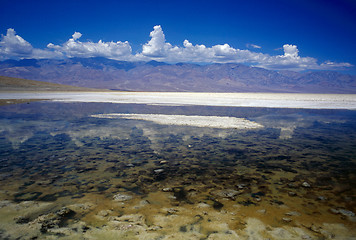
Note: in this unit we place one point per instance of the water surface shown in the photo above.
(68, 174)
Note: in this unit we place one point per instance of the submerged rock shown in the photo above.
(203, 205)
(141, 204)
(168, 189)
(334, 211)
(292, 194)
(104, 213)
(321, 198)
(293, 213)
(227, 193)
(65, 212)
(82, 207)
(53, 220)
(292, 185)
(261, 211)
(122, 197)
(158, 170)
(346, 213)
(4, 203)
(217, 205)
(306, 185)
(170, 210)
(21, 220)
(287, 219)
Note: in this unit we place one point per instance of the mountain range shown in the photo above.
(158, 76)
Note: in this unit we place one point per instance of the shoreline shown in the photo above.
(268, 100)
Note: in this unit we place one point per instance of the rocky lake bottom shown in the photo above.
(124, 171)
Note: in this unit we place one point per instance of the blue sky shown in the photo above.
(298, 35)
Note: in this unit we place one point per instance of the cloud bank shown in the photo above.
(13, 46)
(75, 48)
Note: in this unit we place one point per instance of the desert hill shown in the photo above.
(19, 84)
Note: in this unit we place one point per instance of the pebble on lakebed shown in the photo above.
(122, 197)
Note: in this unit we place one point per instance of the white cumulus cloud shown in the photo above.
(76, 35)
(75, 48)
(291, 60)
(157, 48)
(290, 51)
(14, 46)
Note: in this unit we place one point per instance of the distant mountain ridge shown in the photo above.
(157, 76)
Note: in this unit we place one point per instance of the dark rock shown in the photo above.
(27, 196)
(247, 203)
(217, 205)
(277, 202)
(21, 220)
(258, 194)
(49, 198)
(292, 185)
(48, 224)
(183, 229)
(180, 194)
(65, 212)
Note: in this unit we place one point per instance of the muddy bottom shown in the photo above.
(65, 174)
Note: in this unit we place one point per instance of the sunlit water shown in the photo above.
(66, 173)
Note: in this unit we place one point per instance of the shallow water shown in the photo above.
(137, 179)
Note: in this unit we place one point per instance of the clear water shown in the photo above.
(183, 182)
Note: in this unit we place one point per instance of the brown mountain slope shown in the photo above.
(19, 84)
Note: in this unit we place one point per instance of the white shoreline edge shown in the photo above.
(269, 100)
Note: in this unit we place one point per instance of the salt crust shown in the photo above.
(184, 120)
(272, 100)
